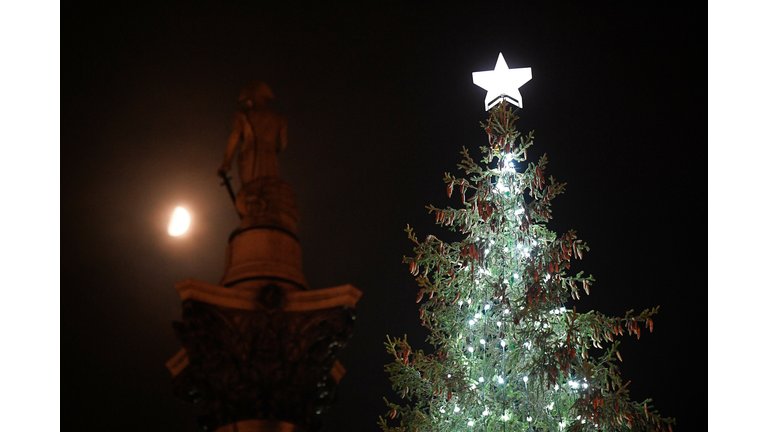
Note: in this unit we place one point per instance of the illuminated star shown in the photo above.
(502, 83)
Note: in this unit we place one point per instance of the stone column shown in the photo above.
(259, 349)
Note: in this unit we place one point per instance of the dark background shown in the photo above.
(379, 102)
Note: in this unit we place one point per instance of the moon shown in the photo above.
(179, 222)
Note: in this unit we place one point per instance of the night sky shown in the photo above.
(379, 105)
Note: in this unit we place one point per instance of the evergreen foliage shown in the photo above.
(508, 354)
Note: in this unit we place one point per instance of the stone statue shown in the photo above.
(263, 135)
(264, 199)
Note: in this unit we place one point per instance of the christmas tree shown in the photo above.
(509, 354)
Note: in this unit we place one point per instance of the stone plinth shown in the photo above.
(260, 358)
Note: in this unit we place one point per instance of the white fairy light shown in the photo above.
(562, 309)
(506, 249)
(505, 417)
(470, 349)
(482, 341)
(470, 423)
(516, 276)
(551, 406)
(585, 385)
(442, 411)
(528, 418)
(471, 322)
(506, 281)
(457, 409)
(519, 211)
(503, 344)
(481, 379)
(561, 424)
(461, 302)
(487, 251)
(469, 301)
(477, 315)
(519, 245)
(486, 412)
(533, 242)
(487, 306)
(525, 379)
(449, 375)
(557, 387)
(493, 242)
(498, 323)
(506, 311)
(501, 380)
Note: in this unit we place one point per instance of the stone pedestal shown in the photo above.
(259, 349)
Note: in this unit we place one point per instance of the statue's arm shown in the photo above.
(234, 139)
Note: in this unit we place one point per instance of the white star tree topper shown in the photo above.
(502, 83)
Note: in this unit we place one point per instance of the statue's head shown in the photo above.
(257, 93)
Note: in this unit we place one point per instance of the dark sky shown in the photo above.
(379, 104)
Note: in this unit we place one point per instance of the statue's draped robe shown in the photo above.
(263, 135)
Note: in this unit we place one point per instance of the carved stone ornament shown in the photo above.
(268, 356)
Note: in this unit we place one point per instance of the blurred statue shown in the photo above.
(263, 135)
(263, 199)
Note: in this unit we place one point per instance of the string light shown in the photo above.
(501, 380)
(471, 322)
(525, 379)
(528, 418)
(505, 417)
(481, 379)
(456, 409)
(503, 343)
(487, 306)
(470, 423)
(470, 349)
(486, 412)
(477, 315)
(482, 341)
(498, 323)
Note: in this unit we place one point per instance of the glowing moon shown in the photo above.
(179, 222)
